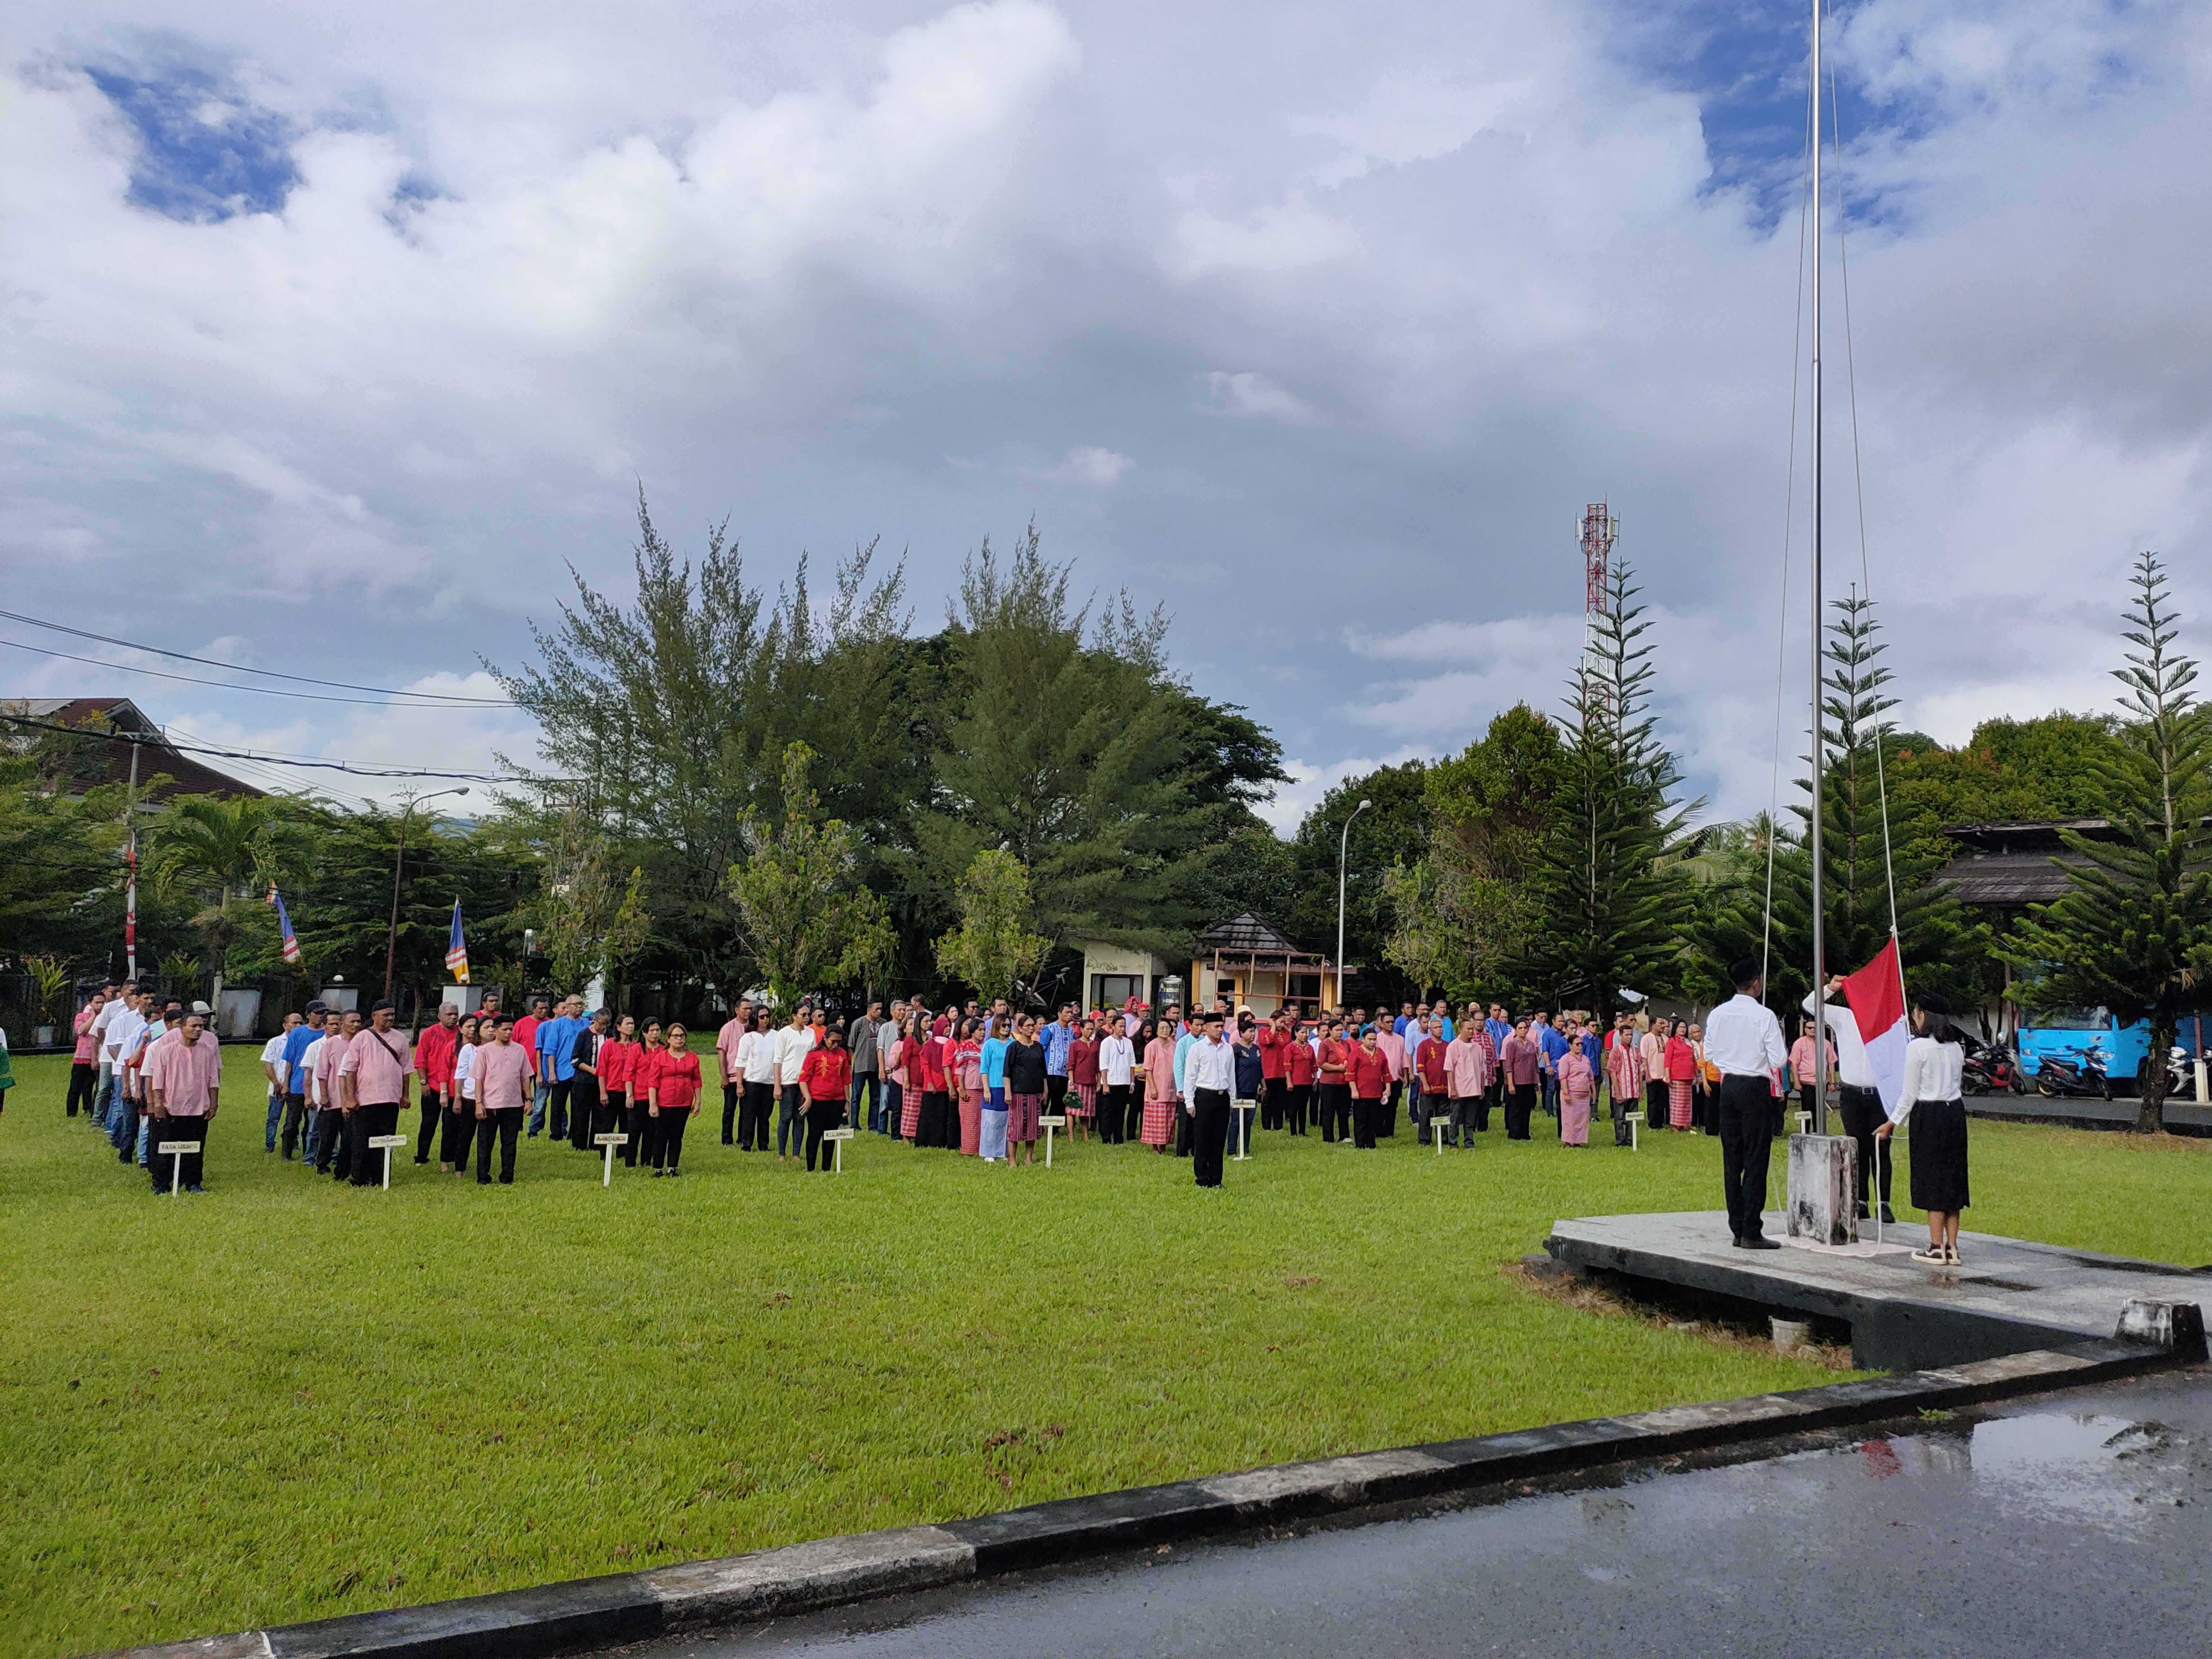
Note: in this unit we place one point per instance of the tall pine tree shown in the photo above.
(1610, 917)
(2134, 931)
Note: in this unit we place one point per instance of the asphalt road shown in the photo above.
(2077, 1523)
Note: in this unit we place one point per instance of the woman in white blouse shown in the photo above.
(1934, 1064)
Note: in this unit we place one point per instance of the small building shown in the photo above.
(1245, 958)
(108, 761)
(2003, 868)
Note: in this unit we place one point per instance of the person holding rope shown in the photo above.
(1743, 1040)
(1933, 1066)
(1857, 1101)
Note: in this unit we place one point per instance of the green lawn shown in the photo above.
(283, 1401)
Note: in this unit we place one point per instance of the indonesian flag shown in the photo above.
(1876, 994)
(457, 951)
(284, 926)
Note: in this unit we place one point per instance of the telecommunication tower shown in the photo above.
(1597, 532)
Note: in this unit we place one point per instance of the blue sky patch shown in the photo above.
(205, 153)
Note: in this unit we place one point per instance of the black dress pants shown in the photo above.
(752, 1116)
(433, 1108)
(1132, 1116)
(371, 1118)
(1747, 1115)
(1386, 1111)
(1209, 1135)
(668, 1144)
(84, 1085)
(1297, 1097)
(557, 1107)
(1861, 1111)
(1273, 1097)
(161, 1164)
(822, 1116)
(1520, 1102)
(1365, 1112)
(1335, 1111)
(459, 1124)
(295, 1119)
(332, 1156)
(583, 1100)
(730, 1093)
(505, 1126)
(1113, 1107)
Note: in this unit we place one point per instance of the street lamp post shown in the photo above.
(1343, 841)
(399, 864)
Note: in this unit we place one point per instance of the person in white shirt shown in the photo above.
(1117, 1066)
(1209, 1080)
(791, 1044)
(1744, 1040)
(120, 1026)
(1858, 1102)
(272, 1067)
(1933, 1066)
(757, 1056)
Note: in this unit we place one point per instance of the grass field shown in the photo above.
(282, 1400)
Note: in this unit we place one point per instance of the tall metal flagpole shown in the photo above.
(1819, 975)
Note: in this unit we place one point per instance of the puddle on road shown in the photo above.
(2089, 1467)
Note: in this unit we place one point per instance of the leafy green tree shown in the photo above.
(1464, 911)
(1864, 873)
(992, 950)
(227, 852)
(588, 924)
(61, 869)
(802, 914)
(1609, 915)
(2134, 931)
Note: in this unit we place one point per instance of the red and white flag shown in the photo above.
(1876, 994)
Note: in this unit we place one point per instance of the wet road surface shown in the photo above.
(2074, 1523)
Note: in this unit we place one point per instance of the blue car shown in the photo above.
(2068, 1033)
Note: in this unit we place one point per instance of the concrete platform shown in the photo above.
(2009, 1296)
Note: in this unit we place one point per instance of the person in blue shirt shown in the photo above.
(1406, 1016)
(1186, 1036)
(296, 1043)
(1550, 1044)
(993, 1062)
(556, 1066)
(1058, 1037)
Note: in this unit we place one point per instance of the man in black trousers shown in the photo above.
(1744, 1039)
(1209, 1083)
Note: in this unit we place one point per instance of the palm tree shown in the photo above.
(227, 852)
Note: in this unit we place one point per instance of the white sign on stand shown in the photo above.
(610, 1142)
(384, 1144)
(1634, 1119)
(836, 1139)
(1050, 1124)
(176, 1151)
(1244, 1109)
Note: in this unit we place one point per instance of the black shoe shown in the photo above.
(1759, 1243)
(483, 1181)
(422, 1160)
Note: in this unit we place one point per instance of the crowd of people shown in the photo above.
(973, 1081)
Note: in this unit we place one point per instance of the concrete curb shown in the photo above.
(588, 1614)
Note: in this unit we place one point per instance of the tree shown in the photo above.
(228, 851)
(2134, 929)
(1867, 880)
(1463, 911)
(802, 914)
(1075, 755)
(589, 925)
(1391, 833)
(1609, 915)
(993, 952)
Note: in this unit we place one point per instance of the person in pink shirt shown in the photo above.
(84, 1059)
(1392, 1048)
(184, 1080)
(434, 1064)
(502, 1074)
(1468, 1066)
(374, 1084)
(333, 1155)
(733, 1071)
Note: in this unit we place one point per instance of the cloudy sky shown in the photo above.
(334, 332)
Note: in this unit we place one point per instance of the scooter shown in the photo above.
(2059, 1076)
(1991, 1070)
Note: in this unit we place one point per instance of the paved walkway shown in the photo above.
(2070, 1523)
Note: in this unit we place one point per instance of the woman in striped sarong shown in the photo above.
(968, 1073)
(1682, 1071)
(1083, 1080)
(908, 1059)
(1160, 1100)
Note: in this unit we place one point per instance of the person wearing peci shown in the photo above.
(1743, 1040)
(728, 1043)
(675, 1091)
(374, 1083)
(1935, 1066)
(826, 1078)
(272, 1070)
(1209, 1082)
(503, 1072)
(434, 1064)
(1027, 1081)
(1858, 1102)
(298, 1085)
(1117, 1069)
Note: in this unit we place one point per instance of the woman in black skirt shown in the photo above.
(1934, 1063)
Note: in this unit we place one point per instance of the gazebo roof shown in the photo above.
(1248, 932)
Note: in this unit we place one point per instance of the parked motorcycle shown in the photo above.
(1990, 1069)
(2083, 1075)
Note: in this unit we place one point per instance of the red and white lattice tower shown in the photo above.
(1598, 532)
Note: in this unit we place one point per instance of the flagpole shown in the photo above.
(1819, 1069)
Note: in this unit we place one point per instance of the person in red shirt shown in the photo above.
(1298, 1065)
(938, 1125)
(644, 1073)
(675, 1091)
(1333, 1075)
(1369, 1070)
(1083, 1078)
(1436, 1087)
(617, 1063)
(434, 1064)
(1274, 1043)
(825, 1078)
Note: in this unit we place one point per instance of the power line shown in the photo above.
(153, 740)
(226, 685)
(450, 698)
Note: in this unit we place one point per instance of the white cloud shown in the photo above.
(1245, 392)
(1086, 464)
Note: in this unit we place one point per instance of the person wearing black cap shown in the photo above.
(1744, 1040)
(1933, 1066)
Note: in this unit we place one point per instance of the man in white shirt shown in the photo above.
(1857, 1101)
(274, 1069)
(120, 1025)
(1209, 1080)
(1744, 1040)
